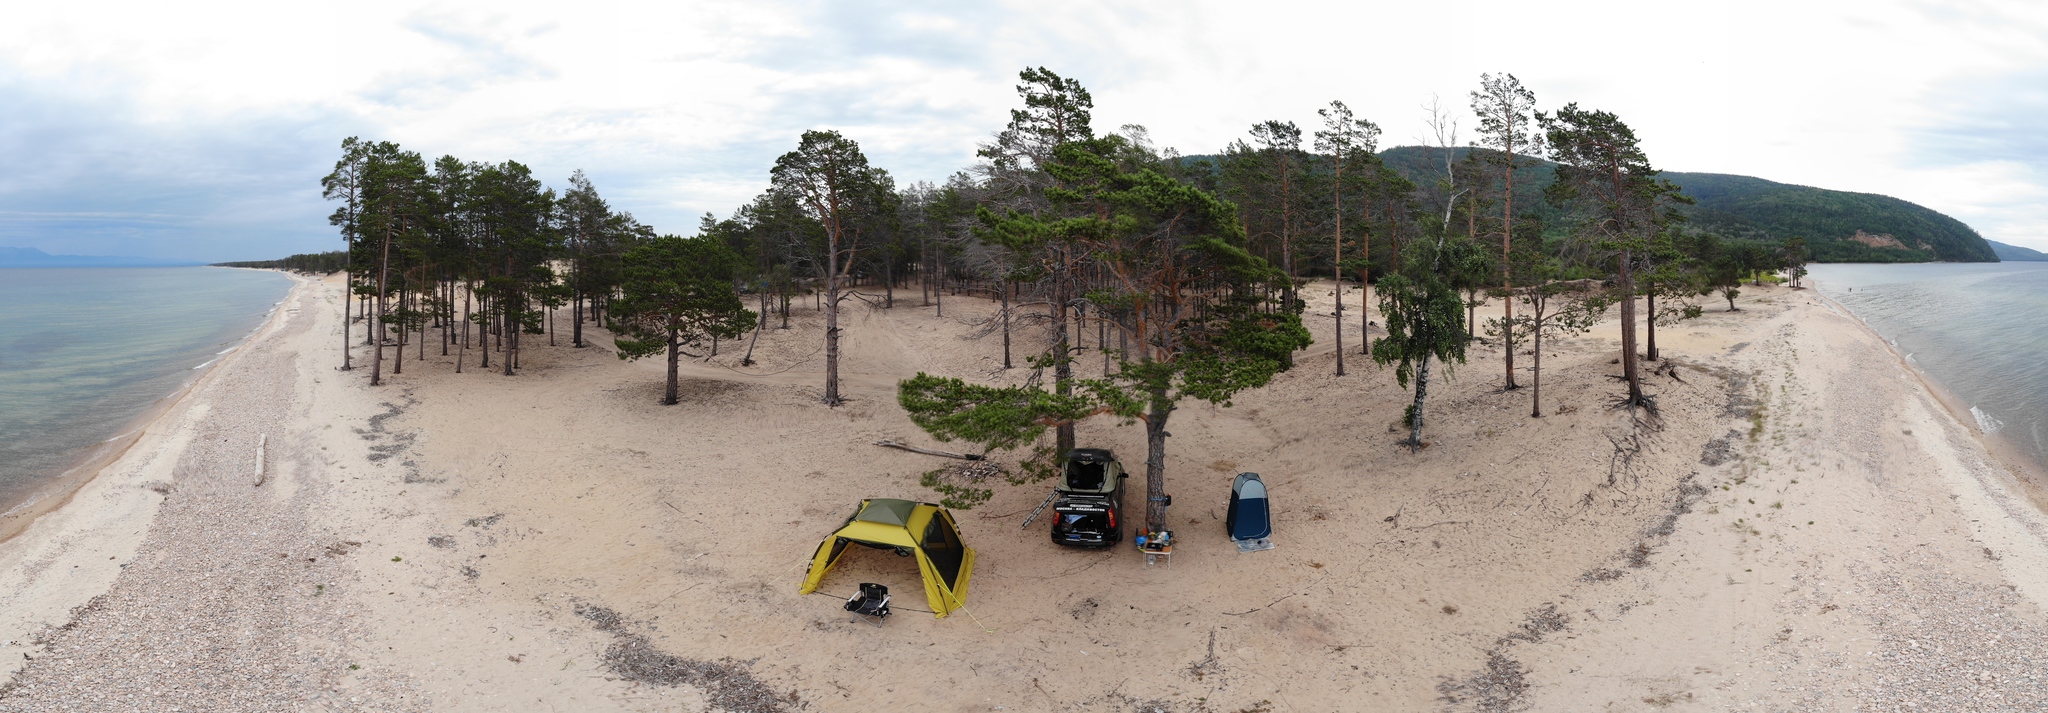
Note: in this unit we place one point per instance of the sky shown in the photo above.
(200, 130)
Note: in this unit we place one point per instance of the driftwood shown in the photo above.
(261, 441)
(927, 451)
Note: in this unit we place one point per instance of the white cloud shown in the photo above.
(227, 113)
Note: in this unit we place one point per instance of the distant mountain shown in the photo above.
(1839, 226)
(2015, 253)
(31, 257)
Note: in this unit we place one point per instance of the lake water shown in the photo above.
(1980, 330)
(84, 351)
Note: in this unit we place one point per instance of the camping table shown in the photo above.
(1152, 556)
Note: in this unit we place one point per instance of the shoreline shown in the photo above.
(2029, 472)
(83, 469)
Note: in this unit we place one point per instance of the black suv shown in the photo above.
(1089, 500)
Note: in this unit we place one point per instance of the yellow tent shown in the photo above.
(909, 528)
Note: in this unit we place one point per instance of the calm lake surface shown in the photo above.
(84, 351)
(1980, 330)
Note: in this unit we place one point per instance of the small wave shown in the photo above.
(1985, 422)
(1909, 358)
(202, 366)
(224, 351)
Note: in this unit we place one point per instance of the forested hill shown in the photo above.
(1838, 225)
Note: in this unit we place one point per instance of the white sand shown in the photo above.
(503, 521)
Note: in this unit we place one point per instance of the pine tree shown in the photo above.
(1347, 142)
(1178, 279)
(345, 184)
(1266, 179)
(1507, 125)
(678, 293)
(830, 178)
(395, 192)
(1603, 173)
(1057, 111)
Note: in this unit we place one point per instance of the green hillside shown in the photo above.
(2015, 253)
(1754, 208)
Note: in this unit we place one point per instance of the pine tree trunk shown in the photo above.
(1650, 321)
(377, 320)
(398, 355)
(674, 353)
(759, 324)
(1629, 369)
(1536, 368)
(1006, 324)
(1063, 368)
(508, 324)
(1155, 462)
(576, 331)
(1337, 267)
(1365, 296)
(348, 297)
(1123, 342)
(832, 323)
(1471, 317)
(483, 332)
(1102, 338)
(462, 349)
(1507, 237)
(447, 317)
(1290, 296)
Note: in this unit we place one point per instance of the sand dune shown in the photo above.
(1805, 527)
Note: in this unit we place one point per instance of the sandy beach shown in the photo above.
(1805, 526)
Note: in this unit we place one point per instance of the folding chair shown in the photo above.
(871, 604)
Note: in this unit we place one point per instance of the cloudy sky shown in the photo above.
(200, 130)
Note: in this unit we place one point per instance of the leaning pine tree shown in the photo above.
(1202, 311)
(678, 292)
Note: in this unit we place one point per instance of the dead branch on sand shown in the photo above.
(927, 451)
